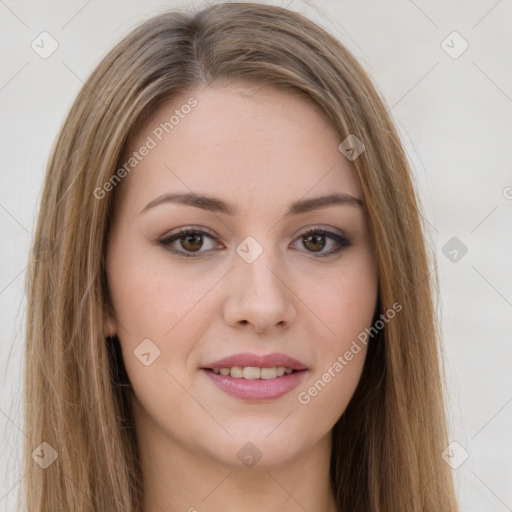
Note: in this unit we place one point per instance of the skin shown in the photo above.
(259, 149)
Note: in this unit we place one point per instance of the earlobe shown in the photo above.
(109, 326)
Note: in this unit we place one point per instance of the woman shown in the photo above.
(233, 307)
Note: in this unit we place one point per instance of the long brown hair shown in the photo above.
(387, 445)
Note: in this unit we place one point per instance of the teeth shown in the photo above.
(253, 372)
(268, 373)
(236, 372)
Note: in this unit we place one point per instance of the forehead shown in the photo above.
(243, 142)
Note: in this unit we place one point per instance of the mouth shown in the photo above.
(253, 372)
(250, 377)
(253, 388)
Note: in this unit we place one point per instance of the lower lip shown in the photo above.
(256, 389)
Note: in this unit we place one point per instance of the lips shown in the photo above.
(289, 373)
(260, 361)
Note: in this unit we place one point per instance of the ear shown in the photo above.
(109, 323)
(109, 326)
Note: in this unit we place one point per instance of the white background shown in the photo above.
(455, 117)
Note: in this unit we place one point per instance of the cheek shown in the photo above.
(149, 299)
(346, 307)
(167, 307)
(325, 397)
(346, 301)
(160, 318)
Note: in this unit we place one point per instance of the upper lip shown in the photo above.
(261, 361)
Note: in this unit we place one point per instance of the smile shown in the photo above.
(254, 388)
(253, 372)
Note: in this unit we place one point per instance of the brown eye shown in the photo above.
(191, 242)
(314, 242)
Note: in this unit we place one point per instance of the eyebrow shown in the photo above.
(214, 204)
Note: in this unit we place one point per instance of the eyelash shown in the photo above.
(168, 240)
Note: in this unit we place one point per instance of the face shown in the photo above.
(257, 272)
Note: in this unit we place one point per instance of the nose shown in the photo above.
(259, 296)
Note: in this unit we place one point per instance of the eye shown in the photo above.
(315, 240)
(191, 241)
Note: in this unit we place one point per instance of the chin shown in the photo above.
(264, 445)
